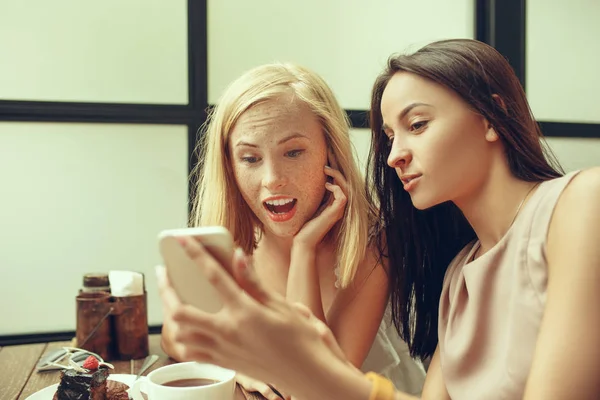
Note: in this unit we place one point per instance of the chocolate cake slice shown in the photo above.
(117, 391)
(76, 385)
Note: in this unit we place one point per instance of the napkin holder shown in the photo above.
(114, 327)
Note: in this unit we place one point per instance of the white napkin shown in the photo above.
(126, 283)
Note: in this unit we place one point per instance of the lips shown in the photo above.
(280, 209)
(409, 181)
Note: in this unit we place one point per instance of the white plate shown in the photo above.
(48, 392)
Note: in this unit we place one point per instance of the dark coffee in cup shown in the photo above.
(190, 382)
(186, 381)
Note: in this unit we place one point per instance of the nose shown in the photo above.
(400, 156)
(275, 177)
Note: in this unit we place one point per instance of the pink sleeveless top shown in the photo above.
(491, 308)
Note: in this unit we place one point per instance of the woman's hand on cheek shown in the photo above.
(314, 230)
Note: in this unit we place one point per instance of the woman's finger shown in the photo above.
(329, 339)
(189, 315)
(199, 334)
(338, 193)
(195, 346)
(229, 292)
(253, 385)
(303, 310)
(194, 333)
(169, 298)
(339, 199)
(246, 277)
(338, 178)
(323, 330)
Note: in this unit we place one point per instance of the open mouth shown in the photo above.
(280, 206)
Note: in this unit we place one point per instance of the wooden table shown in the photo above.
(19, 380)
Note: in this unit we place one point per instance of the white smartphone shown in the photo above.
(185, 275)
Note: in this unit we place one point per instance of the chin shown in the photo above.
(282, 230)
(421, 203)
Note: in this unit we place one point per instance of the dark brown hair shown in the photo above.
(419, 245)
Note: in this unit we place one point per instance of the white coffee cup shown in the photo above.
(153, 385)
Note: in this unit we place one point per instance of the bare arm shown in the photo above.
(357, 310)
(566, 362)
(303, 285)
(435, 388)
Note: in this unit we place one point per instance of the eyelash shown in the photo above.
(292, 154)
(415, 127)
(390, 140)
(421, 124)
(249, 160)
(297, 153)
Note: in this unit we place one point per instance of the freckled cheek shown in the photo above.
(311, 181)
(246, 183)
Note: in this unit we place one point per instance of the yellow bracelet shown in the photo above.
(383, 389)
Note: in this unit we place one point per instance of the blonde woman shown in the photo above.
(279, 172)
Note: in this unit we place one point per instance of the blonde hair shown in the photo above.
(217, 199)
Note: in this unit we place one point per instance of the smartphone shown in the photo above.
(185, 275)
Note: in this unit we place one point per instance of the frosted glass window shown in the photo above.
(361, 140)
(79, 198)
(576, 153)
(347, 42)
(563, 60)
(113, 51)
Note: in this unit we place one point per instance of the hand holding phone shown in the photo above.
(185, 275)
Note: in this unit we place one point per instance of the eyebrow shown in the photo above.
(285, 139)
(406, 110)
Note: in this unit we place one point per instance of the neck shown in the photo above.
(278, 243)
(492, 207)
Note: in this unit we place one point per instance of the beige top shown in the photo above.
(491, 308)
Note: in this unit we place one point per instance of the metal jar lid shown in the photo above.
(96, 281)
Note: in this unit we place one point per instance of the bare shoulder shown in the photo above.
(585, 187)
(573, 291)
(371, 268)
(575, 225)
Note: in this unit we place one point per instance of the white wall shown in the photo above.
(345, 41)
(563, 62)
(75, 197)
(348, 44)
(80, 198)
(576, 153)
(361, 139)
(132, 51)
